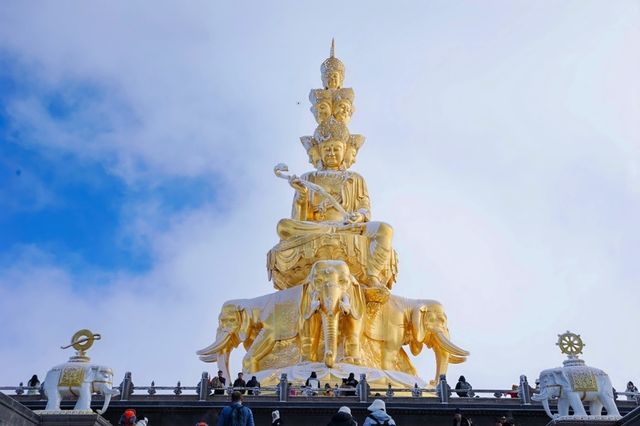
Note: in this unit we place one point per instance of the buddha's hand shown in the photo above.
(297, 184)
(355, 217)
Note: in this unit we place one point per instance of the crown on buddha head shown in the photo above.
(329, 68)
(331, 129)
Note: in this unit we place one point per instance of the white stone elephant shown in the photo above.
(573, 385)
(81, 380)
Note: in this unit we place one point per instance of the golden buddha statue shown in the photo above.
(307, 237)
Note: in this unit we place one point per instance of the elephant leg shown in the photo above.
(53, 399)
(610, 404)
(309, 339)
(84, 397)
(352, 350)
(442, 362)
(262, 346)
(595, 409)
(563, 406)
(576, 403)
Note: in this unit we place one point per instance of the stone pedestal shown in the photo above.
(71, 418)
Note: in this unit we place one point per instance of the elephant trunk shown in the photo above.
(330, 326)
(108, 392)
(543, 397)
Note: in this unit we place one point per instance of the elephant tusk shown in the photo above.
(455, 359)
(446, 344)
(216, 347)
(209, 358)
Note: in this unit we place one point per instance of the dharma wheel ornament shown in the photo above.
(570, 344)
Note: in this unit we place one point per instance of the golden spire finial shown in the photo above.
(332, 53)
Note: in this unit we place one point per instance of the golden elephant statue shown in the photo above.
(333, 305)
(282, 329)
(414, 322)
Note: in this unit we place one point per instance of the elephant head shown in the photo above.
(101, 379)
(334, 293)
(233, 328)
(429, 327)
(552, 382)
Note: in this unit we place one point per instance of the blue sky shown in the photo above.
(137, 145)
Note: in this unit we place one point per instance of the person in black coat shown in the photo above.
(459, 420)
(343, 418)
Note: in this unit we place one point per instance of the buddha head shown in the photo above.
(332, 137)
(354, 144)
(332, 71)
(311, 146)
(343, 111)
(320, 104)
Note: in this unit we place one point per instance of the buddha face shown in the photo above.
(323, 111)
(343, 111)
(332, 154)
(334, 79)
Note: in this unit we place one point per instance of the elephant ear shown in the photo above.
(356, 298)
(418, 323)
(308, 293)
(245, 322)
(561, 378)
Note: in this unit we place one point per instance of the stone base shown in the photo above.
(71, 418)
(376, 378)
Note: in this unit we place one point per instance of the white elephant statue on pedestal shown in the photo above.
(575, 383)
(78, 379)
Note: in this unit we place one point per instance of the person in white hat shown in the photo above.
(378, 414)
(343, 418)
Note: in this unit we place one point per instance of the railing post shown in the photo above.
(363, 392)
(443, 389)
(416, 392)
(152, 388)
(126, 387)
(203, 386)
(283, 388)
(178, 389)
(525, 391)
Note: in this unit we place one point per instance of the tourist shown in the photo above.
(240, 383)
(253, 385)
(130, 418)
(352, 383)
(328, 390)
(514, 391)
(275, 418)
(344, 388)
(202, 424)
(630, 388)
(343, 418)
(218, 383)
(312, 385)
(463, 388)
(378, 414)
(235, 414)
(34, 385)
(459, 419)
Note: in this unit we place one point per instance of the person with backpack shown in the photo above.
(378, 414)
(235, 414)
(343, 418)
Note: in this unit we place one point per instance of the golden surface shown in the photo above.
(71, 376)
(582, 380)
(334, 268)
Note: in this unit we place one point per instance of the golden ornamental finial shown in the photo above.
(332, 53)
(81, 341)
(570, 344)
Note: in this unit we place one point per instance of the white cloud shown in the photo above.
(503, 146)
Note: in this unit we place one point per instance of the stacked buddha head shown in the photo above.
(332, 102)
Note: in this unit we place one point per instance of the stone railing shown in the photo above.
(285, 391)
